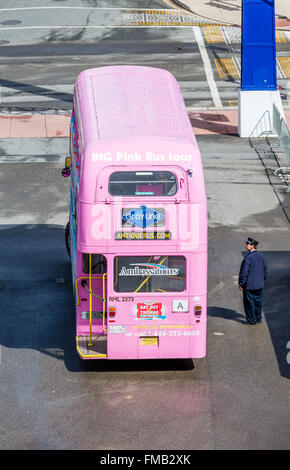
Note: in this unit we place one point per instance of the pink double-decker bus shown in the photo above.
(137, 231)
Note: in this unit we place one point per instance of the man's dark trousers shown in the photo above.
(253, 305)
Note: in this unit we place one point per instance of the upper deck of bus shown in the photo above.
(132, 117)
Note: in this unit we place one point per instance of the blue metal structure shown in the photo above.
(258, 45)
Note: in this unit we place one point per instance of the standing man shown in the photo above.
(252, 275)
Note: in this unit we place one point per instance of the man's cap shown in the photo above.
(251, 241)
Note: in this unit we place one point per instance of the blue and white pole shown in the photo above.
(258, 90)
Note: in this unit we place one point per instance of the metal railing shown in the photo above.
(90, 278)
(281, 129)
(273, 125)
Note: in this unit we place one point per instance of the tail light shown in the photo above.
(197, 312)
(112, 314)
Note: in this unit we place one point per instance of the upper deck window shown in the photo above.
(142, 183)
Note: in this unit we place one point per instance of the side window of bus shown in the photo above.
(99, 264)
(73, 141)
(149, 274)
(142, 183)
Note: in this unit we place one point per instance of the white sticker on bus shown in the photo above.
(117, 329)
(151, 269)
(180, 305)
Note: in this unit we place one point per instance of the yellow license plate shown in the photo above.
(149, 341)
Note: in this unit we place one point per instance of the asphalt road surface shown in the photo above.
(44, 45)
(235, 398)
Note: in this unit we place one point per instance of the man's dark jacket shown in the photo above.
(253, 271)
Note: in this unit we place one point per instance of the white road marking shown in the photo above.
(288, 355)
(280, 72)
(96, 27)
(232, 36)
(207, 67)
(216, 288)
(33, 159)
(125, 17)
(87, 8)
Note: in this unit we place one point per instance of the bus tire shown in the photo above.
(67, 238)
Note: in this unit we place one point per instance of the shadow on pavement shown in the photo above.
(225, 313)
(37, 305)
(217, 123)
(37, 90)
(276, 305)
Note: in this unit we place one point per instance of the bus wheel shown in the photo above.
(67, 238)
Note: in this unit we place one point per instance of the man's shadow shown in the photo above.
(226, 313)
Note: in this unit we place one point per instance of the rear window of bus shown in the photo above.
(149, 274)
(142, 183)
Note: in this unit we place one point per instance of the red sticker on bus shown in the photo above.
(149, 310)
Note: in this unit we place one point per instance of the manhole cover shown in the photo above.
(10, 22)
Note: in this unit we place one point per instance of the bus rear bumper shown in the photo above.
(140, 342)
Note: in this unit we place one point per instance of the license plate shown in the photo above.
(149, 341)
(117, 329)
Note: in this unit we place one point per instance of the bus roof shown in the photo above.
(128, 102)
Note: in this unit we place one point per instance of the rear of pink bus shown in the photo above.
(138, 219)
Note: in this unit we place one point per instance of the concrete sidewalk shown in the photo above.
(50, 125)
(229, 11)
(220, 121)
(34, 125)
